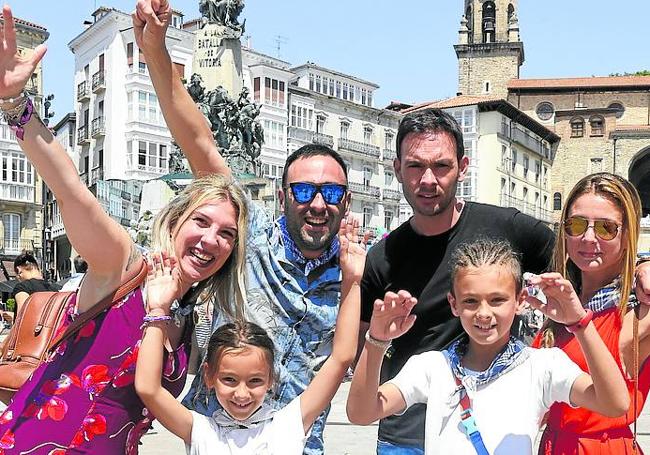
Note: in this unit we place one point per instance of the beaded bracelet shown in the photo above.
(18, 117)
(151, 319)
(384, 345)
(12, 100)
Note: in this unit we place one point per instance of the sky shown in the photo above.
(405, 46)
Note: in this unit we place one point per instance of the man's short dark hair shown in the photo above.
(25, 260)
(310, 150)
(80, 264)
(428, 121)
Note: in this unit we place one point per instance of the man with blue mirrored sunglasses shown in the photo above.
(293, 283)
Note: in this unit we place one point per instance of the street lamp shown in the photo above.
(47, 105)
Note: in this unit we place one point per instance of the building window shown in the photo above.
(320, 123)
(367, 216)
(538, 170)
(317, 87)
(11, 225)
(388, 219)
(142, 62)
(345, 127)
(367, 175)
(338, 89)
(557, 201)
(302, 116)
(619, 108)
(273, 92)
(388, 178)
(389, 139)
(274, 135)
(311, 81)
(513, 164)
(256, 89)
(577, 127)
(148, 108)
(597, 124)
(489, 22)
(129, 55)
(545, 111)
(526, 165)
(466, 118)
(596, 165)
(16, 169)
(525, 194)
(367, 135)
(513, 188)
(504, 157)
(151, 157)
(486, 87)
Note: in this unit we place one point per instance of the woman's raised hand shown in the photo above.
(352, 258)
(391, 317)
(562, 303)
(164, 284)
(15, 69)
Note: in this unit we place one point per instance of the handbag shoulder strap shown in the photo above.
(635, 367)
(134, 279)
(467, 420)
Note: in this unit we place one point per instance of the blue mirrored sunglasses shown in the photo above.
(305, 192)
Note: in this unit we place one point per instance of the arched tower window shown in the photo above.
(511, 11)
(470, 23)
(557, 201)
(489, 22)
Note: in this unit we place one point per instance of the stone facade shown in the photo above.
(486, 70)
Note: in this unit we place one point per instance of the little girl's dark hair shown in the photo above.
(486, 252)
(237, 335)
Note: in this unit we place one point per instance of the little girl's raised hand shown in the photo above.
(164, 283)
(562, 303)
(391, 317)
(352, 256)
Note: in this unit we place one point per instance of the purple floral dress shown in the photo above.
(83, 399)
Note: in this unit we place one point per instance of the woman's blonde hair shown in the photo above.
(622, 193)
(227, 287)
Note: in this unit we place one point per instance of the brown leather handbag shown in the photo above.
(33, 334)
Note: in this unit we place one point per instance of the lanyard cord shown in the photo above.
(468, 421)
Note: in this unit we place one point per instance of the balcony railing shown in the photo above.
(15, 246)
(389, 155)
(13, 192)
(512, 131)
(99, 81)
(527, 208)
(98, 126)
(364, 190)
(82, 135)
(368, 150)
(392, 195)
(83, 93)
(96, 173)
(323, 139)
(301, 134)
(84, 178)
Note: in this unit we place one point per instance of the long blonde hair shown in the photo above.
(227, 287)
(622, 193)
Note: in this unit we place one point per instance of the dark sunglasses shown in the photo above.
(604, 229)
(305, 192)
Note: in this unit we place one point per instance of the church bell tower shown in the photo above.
(489, 48)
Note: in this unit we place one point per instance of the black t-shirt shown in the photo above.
(34, 285)
(421, 265)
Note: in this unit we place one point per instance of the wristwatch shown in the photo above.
(582, 323)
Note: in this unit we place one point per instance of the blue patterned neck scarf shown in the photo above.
(513, 354)
(608, 297)
(295, 256)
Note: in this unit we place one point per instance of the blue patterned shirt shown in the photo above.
(296, 301)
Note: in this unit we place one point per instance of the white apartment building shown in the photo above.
(121, 133)
(510, 154)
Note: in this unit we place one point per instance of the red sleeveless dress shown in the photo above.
(578, 431)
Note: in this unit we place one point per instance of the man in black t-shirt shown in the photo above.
(415, 257)
(31, 279)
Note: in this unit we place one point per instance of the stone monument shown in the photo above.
(217, 88)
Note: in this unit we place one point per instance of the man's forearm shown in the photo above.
(186, 123)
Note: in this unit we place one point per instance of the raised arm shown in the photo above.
(186, 123)
(93, 234)
(603, 390)
(163, 286)
(327, 381)
(368, 401)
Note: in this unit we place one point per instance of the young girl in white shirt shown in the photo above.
(487, 393)
(239, 368)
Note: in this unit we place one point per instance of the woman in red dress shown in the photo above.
(596, 250)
